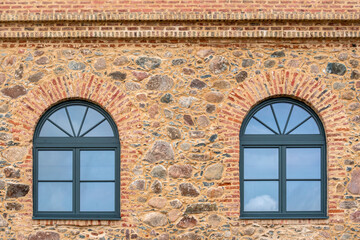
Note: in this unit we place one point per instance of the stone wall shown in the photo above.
(179, 108)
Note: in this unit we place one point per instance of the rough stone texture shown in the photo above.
(203, 53)
(3, 222)
(155, 219)
(197, 134)
(2, 184)
(73, 65)
(156, 187)
(336, 68)
(203, 121)
(247, 63)
(44, 235)
(179, 61)
(15, 190)
(189, 236)
(215, 192)
(269, 63)
(249, 231)
(187, 222)
(137, 185)
(221, 84)
(198, 84)
(43, 61)
(218, 65)
(354, 184)
(214, 172)
(119, 61)
(36, 77)
(157, 202)
(14, 154)
(188, 120)
(347, 204)
(159, 171)
(200, 208)
(117, 75)
(180, 171)
(188, 71)
(164, 236)
(214, 97)
(186, 102)
(14, 92)
(355, 74)
(13, 206)
(160, 83)
(188, 190)
(214, 220)
(132, 86)
(355, 216)
(176, 203)
(174, 214)
(11, 172)
(161, 150)
(173, 133)
(278, 54)
(100, 64)
(139, 75)
(148, 62)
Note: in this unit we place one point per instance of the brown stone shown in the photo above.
(200, 157)
(222, 84)
(3, 222)
(295, 63)
(159, 171)
(173, 133)
(13, 206)
(11, 172)
(340, 188)
(343, 56)
(214, 172)
(68, 54)
(141, 97)
(161, 150)
(180, 171)
(155, 219)
(203, 53)
(214, 220)
(36, 77)
(2, 78)
(197, 134)
(355, 74)
(137, 185)
(214, 97)
(174, 214)
(153, 111)
(355, 216)
(356, 147)
(188, 71)
(2, 184)
(14, 92)
(247, 63)
(132, 86)
(218, 65)
(14, 154)
(210, 108)
(164, 236)
(38, 53)
(237, 53)
(187, 222)
(188, 120)
(249, 231)
(157, 202)
(188, 190)
(139, 75)
(348, 95)
(117, 75)
(354, 184)
(10, 61)
(189, 236)
(5, 136)
(160, 83)
(347, 204)
(156, 187)
(198, 84)
(354, 63)
(203, 121)
(19, 72)
(44, 236)
(354, 106)
(215, 192)
(314, 69)
(100, 64)
(42, 61)
(119, 61)
(15, 190)
(200, 208)
(176, 203)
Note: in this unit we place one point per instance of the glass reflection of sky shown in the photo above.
(55, 196)
(261, 163)
(266, 116)
(282, 111)
(95, 196)
(97, 165)
(261, 196)
(76, 115)
(55, 165)
(303, 163)
(61, 119)
(303, 196)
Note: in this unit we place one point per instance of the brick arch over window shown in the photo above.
(112, 98)
(295, 85)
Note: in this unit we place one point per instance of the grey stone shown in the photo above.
(11, 172)
(200, 208)
(3, 222)
(29, 57)
(218, 65)
(346, 236)
(203, 53)
(68, 53)
(2, 184)
(355, 74)
(119, 61)
(2, 78)
(137, 185)
(269, 63)
(38, 53)
(178, 61)
(186, 102)
(187, 222)
(156, 187)
(16, 190)
(173, 133)
(200, 157)
(14, 92)
(237, 54)
(174, 214)
(354, 106)
(338, 85)
(314, 69)
(189, 236)
(44, 235)
(159, 171)
(336, 68)
(180, 171)
(117, 75)
(132, 86)
(148, 62)
(214, 172)
(73, 65)
(197, 134)
(5, 136)
(247, 63)
(188, 71)
(343, 56)
(347, 204)
(354, 63)
(241, 76)
(188, 190)
(160, 83)
(168, 114)
(167, 98)
(176, 203)
(210, 108)
(155, 219)
(100, 64)
(36, 77)
(19, 72)
(249, 231)
(42, 61)
(185, 146)
(198, 84)
(278, 54)
(161, 150)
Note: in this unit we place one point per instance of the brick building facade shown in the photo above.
(178, 78)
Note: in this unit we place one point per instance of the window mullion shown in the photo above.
(76, 198)
(282, 179)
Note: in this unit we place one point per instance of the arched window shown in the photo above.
(76, 164)
(282, 162)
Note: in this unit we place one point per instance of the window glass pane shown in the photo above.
(254, 127)
(303, 163)
(297, 116)
(103, 130)
(261, 163)
(50, 130)
(308, 127)
(97, 196)
(76, 115)
(266, 116)
(61, 119)
(282, 111)
(92, 118)
(303, 196)
(97, 165)
(55, 196)
(55, 165)
(261, 196)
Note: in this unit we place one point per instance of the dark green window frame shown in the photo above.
(282, 142)
(77, 144)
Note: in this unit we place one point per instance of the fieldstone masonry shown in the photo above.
(178, 100)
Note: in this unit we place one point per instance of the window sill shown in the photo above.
(77, 218)
(282, 217)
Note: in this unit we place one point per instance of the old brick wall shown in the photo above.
(182, 83)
